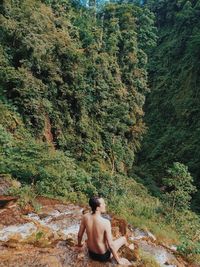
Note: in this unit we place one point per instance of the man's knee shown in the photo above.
(124, 239)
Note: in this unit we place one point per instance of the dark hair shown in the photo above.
(94, 203)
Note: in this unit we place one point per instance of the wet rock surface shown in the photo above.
(48, 238)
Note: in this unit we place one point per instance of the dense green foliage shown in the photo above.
(44, 170)
(78, 81)
(35, 162)
(173, 108)
(73, 83)
(180, 187)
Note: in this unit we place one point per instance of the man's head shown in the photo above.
(97, 204)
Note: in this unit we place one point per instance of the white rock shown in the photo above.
(24, 230)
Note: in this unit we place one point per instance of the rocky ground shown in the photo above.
(48, 238)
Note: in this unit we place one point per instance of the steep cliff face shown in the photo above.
(172, 108)
(48, 237)
(78, 79)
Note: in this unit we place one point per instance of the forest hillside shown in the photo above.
(172, 108)
(74, 78)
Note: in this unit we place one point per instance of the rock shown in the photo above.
(27, 209)
(121, 224)
(17, 232)
(125, 262)
(71, 242)
(168, 264)
(142, 234)
(160, 253)
(151, 236)
(50, 261)
(7, 201)
(173, 247)
(81, 256)
(14, 238)
(131, 246)
(11, 216)
(136, 252)
(131, 252)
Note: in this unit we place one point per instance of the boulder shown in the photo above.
(6, 201)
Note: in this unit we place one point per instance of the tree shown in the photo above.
(179, 187)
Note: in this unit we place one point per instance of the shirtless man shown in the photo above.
(100, 242)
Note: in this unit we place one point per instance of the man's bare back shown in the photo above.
(96, 229)
(99, 236)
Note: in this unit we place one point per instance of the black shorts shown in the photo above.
(100, 257)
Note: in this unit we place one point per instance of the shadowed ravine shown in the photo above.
(47, 238)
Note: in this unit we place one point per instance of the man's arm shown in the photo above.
(81, 231)
(110, 242)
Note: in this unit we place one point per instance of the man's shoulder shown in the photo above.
(87, 215)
